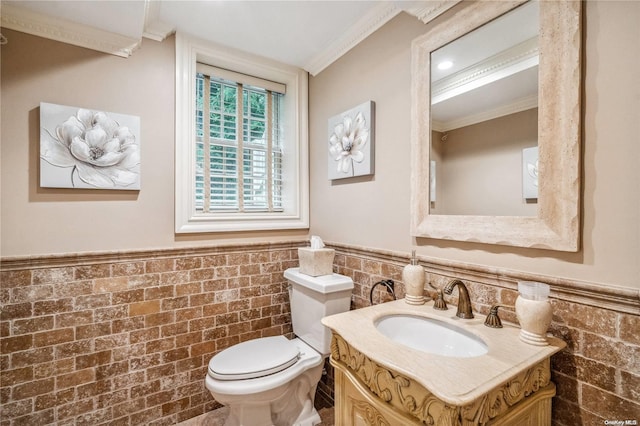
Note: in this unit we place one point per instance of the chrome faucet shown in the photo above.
(464, 302)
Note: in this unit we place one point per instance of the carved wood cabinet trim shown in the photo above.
(369, 412)
(406, 396)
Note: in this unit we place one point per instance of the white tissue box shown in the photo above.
(316, 262)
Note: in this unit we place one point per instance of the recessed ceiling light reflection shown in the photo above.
(445, 65)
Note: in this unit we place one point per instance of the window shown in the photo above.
(241, 141)
(237, 118)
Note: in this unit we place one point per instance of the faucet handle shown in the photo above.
(439, 303)
(493, 320)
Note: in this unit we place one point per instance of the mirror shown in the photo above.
(484, 116)
(554, 221)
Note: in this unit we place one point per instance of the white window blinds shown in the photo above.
(238, 142)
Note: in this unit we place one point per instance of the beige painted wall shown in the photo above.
(374, 212)
(45, 221)
(369, 211)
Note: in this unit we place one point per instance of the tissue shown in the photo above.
(316, 260)
(316, 242)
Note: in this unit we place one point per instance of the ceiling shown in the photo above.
(304, 33)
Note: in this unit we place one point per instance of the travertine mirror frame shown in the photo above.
(557, 226)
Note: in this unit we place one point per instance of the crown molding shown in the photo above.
(372, 21)
(30, 22)
(360, 30)
(154, 28)
(428, 10)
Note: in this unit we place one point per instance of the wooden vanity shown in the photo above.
(381, 382)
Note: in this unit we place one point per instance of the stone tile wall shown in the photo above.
(125, 339)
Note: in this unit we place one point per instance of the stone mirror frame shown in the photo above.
(557, 225)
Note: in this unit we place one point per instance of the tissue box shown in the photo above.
(316, 262)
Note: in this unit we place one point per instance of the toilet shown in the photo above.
(271, 381)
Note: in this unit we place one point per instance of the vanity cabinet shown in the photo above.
(368, 393)
(356, 405)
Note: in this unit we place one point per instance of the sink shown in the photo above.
(430, 335)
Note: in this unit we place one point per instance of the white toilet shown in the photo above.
(272, 380)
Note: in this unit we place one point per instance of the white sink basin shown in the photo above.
(431, 335)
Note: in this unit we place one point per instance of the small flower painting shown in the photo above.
(351, 142)
(82, 148)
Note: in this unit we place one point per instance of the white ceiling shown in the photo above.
(307, 34)
(292, 32)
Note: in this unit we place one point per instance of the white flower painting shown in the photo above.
(82, 148)
(351, 142)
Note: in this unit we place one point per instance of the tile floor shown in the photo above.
(217, 418)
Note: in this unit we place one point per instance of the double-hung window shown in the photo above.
(238, 142)
(241, 142)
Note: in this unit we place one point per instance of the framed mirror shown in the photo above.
(539, 75)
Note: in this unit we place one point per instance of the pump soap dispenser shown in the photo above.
(413, 277)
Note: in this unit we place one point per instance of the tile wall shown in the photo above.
(124, 339)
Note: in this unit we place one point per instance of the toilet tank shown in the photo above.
(313, 298)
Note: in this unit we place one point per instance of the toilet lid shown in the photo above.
(254, 358)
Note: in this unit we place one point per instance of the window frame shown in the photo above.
(295, 191)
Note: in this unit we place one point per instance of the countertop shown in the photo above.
(457, 381)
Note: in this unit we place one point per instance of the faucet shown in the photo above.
(493, 320)
(464, 302)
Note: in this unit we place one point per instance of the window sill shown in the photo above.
(240, 222)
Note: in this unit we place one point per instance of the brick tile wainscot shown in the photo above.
(124, 338)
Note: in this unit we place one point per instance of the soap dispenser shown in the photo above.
(413, 277)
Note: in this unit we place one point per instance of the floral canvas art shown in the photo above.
(83, 148)
(351, 142)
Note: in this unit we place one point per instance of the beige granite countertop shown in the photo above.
(457, 381)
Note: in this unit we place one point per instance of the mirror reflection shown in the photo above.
(484, 119)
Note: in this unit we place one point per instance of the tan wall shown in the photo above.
(44, 221)
(374, 212)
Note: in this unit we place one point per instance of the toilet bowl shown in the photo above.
(272, 380)
(268, 398)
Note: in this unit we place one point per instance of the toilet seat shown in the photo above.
(254, 358)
